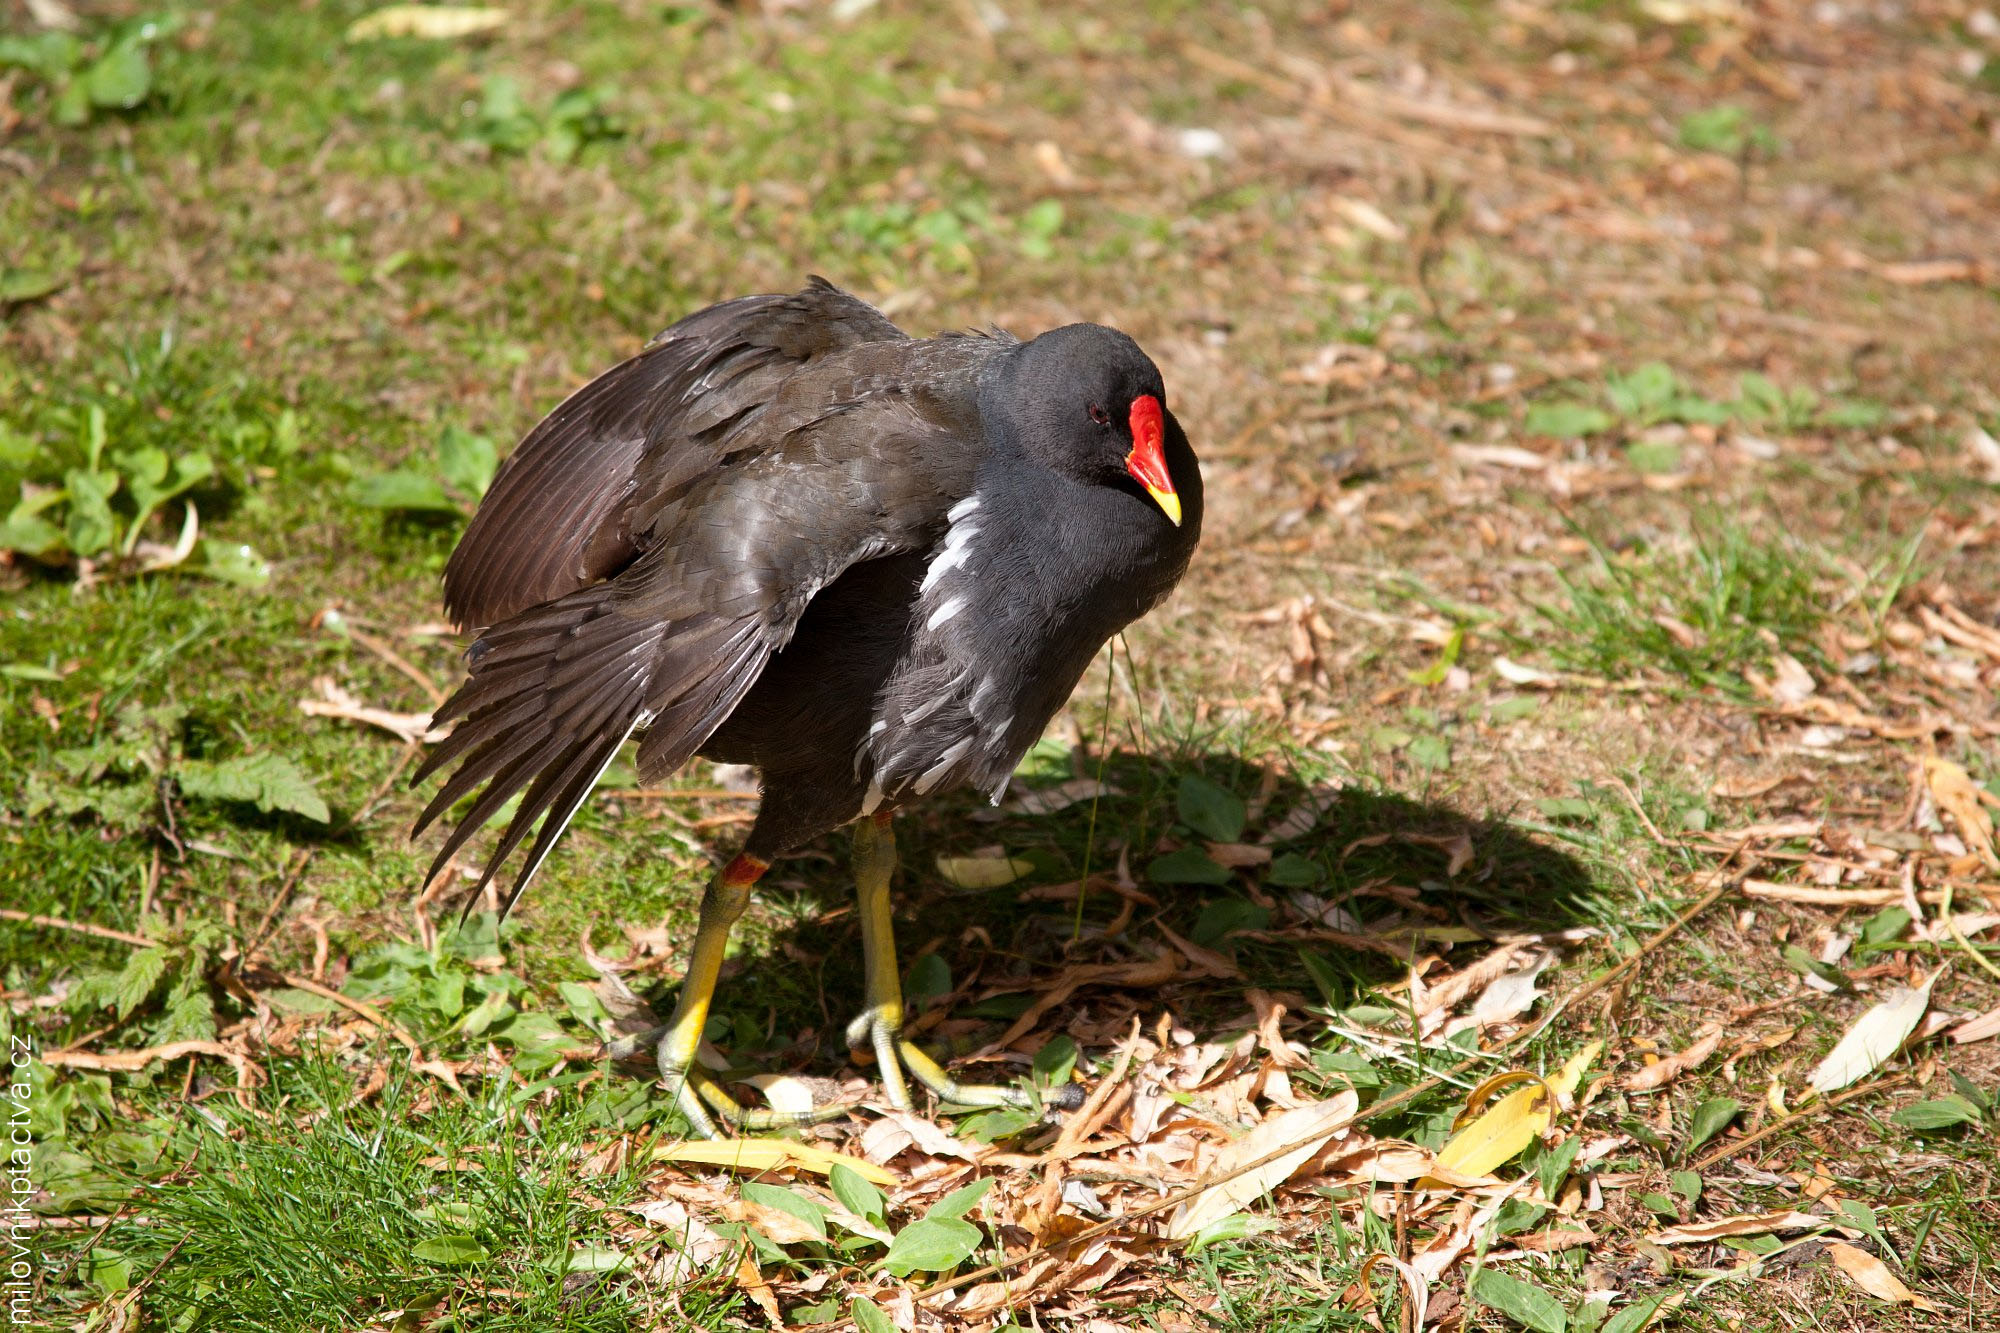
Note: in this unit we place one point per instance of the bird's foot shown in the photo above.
(894, 1053)
(700, 1099)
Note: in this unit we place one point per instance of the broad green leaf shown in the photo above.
(784, 1200)
(1189, 865)
(869, 1318)
(1939, 1113)
(1864, 1220)
(402, 490)
(931, 1245)
(1056, 1061)
(1431, 751)
(50, 54)
(138, 980)
(1567, 420)
(1644, 394)
(1214, 812)
(1711, 1118)
(1555, 1165)
(930, 977)
(29, 284)
(1224, 916)
(451, 1251)
(1236, 1226)
(236, 563)
(1522, 1302)
(90, 526)
(596, 1259)
(961, 1200)
(1289, 870)
(466, 461)
(121, 77)
(857, 1195)
(1802, 961)
(268, 781)
(1635, 1317)
(1687, 1184)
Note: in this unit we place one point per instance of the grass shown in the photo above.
(1698, 607)
(295, 286)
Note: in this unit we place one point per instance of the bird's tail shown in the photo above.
(554, 692)
(557, 689)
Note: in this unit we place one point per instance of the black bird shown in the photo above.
(787, 534)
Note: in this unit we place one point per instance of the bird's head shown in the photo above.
(1086, 402)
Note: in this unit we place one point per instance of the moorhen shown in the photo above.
(787, 534)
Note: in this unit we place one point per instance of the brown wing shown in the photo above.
(851, 454)
(557, 519)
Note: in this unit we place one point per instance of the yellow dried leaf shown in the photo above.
(1505, 1129)
(436, 22)
(982, 872)
(769, 1155)
(1873, 1276)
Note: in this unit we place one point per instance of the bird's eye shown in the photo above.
(1099, 415)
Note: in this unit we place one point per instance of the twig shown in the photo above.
(360, 1008)
(1715, 892)
(80, 927)
(398, 661)
(1736, 1146)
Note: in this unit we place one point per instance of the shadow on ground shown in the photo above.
(1359, 883)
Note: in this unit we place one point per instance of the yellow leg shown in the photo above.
(694, 1092)
(881, 1024)
(728, 894)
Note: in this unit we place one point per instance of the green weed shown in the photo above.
(1699, 610)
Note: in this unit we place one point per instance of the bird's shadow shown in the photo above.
(1359, 883)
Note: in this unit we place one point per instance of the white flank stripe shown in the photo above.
(962, 508)
(957, 546)
(945, 612)
(936, 772)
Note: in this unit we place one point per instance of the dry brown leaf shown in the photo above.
(983, 872)
(1955, 792)
(1433, 1001)
(1981, 1028)
(1237, 855)
(1270, 1030)
(1743, 788)
(1204, 958)
(1743, 1224)
(1048, 800)
(248, 1075)
(694, 1247)
(1138, 976)
(896, 1131)
(1673, 1066)
(338, 703)
(1307, 1129)
(1876, 1036)
(1556, 1238)
(1873, 1276)
(780, 1226)
(753, 1285)
(1389, 1162)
